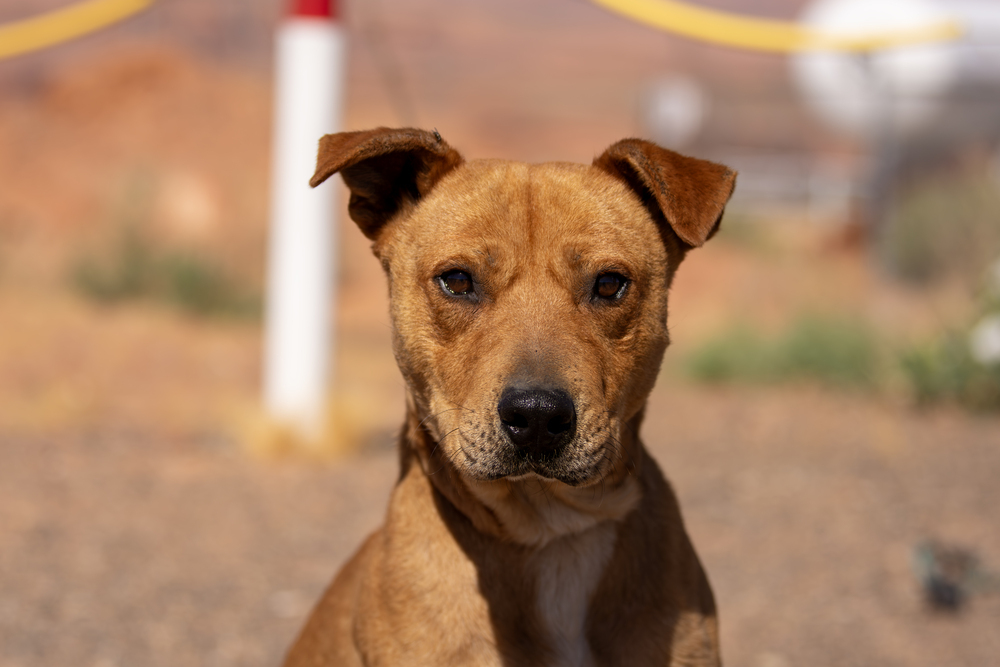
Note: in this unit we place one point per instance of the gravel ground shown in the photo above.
(125, 549)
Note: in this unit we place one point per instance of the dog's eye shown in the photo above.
(610, 286)
(456, 282)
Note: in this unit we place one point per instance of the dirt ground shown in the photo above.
(125, 548)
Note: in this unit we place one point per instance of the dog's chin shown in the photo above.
(581, 462)
(571, 471)
(568, 480)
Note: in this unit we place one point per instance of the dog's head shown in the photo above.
(529, 302)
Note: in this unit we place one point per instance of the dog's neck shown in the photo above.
(528, 510)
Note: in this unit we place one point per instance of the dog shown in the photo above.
(529, 526)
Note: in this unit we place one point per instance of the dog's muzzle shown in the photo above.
(538, 422)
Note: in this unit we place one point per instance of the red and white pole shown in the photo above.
(309, 84)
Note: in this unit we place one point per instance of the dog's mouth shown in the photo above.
(578, 461)
(571, 473)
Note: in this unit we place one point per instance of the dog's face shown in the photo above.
(529, 309)
(529, 302)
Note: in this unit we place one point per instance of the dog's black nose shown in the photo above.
(537, 421)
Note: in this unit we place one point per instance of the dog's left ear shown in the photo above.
(384, 169)
(690, 193)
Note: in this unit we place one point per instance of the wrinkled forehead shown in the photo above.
(495, 207)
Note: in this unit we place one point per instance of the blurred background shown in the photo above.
(829, 411)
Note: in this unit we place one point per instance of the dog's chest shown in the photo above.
(568, 571)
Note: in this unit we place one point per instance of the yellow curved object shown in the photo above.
(757, 34)
(64, 24)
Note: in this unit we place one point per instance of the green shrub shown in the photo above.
(124, 274)
(848, 355)
(135, 270)
(838, 353)
(944, 371)
(831, 352)
(200, 287)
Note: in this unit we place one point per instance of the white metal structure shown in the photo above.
(895, 89)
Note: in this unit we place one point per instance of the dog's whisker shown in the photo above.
(438, 414)
(459, 406)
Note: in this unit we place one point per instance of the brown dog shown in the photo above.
(529, 308)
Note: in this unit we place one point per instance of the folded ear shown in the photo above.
(384, 169)
(690, 193)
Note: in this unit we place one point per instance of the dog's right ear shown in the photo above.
(384, 168)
